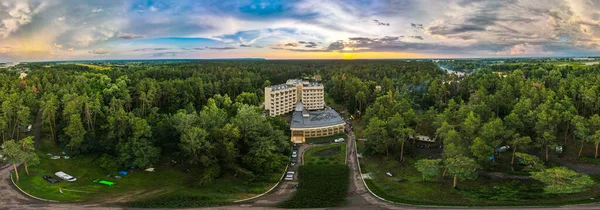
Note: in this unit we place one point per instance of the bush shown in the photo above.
(175, 201)
(589, 160)
(320, 186)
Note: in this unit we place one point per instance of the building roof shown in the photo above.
(313, 84)
(316, 119)
(280, 87)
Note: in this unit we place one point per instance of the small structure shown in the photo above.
(311, 124)
(378, 88)
(422, 138)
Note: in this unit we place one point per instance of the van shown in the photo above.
(65, 176)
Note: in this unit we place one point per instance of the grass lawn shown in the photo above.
(320, 186)
(328, 154)
(165, 182)
(480, 192)
(325, 139)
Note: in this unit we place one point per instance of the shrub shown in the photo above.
(320, 186)
(175, 201)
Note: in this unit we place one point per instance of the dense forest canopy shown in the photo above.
(203, 112)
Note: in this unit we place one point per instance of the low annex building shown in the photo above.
(311, 124)
(281, 99)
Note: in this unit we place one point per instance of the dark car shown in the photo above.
(50, 179)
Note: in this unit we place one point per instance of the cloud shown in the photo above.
(129, 36)
(245, 45)
(381, 23)
(60, 18)
(57, 46)
(416, 26)
(166, 54)
(221, 48)
(96, 10)
(416, 37)
(98, 51)
(14, 15)
(310, 44)
(291, 44)
(151, 49)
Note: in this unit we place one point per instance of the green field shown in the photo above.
(325, 139)
(320, 186)
(323, 155)
(479, 192)
(163, 184)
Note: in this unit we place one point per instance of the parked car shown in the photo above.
(65, 176)
(289, 176)
(294, 154)
(50, 179)
(293, 161)
(339, 140)
(388, 173)
(104, 182)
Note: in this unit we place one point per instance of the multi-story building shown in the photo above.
(312, 124)
(281, 99)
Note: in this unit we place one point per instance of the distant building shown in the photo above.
(312, 124)
(281, 99)
(592, 63)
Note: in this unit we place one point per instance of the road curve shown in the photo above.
(358, 198)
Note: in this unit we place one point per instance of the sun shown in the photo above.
(347, 56)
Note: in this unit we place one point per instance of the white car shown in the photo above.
(65, 176)
(339, 140)
(294, 154)
(289, 176)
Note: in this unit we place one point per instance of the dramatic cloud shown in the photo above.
(72, 29)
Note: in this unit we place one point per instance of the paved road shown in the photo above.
(359, 198)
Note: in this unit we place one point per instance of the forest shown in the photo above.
(542, 115)
(207, 115)
(204, 113)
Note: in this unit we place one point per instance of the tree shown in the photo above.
(247, 98)
(462, 168)
(137, 152)
(196, 147)
(14, 155)
(561, 180)
(546, 125)
(518, 142)
(400, 131)
(429, 168)
(75, 131)
(29, 156)
(50, 108)
(377, 137)
(580, 131)
(481, 149)
(594, 123)
(494, 132)
(532, 162)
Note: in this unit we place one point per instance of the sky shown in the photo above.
(40, 30)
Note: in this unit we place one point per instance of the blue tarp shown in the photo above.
(123, 173)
